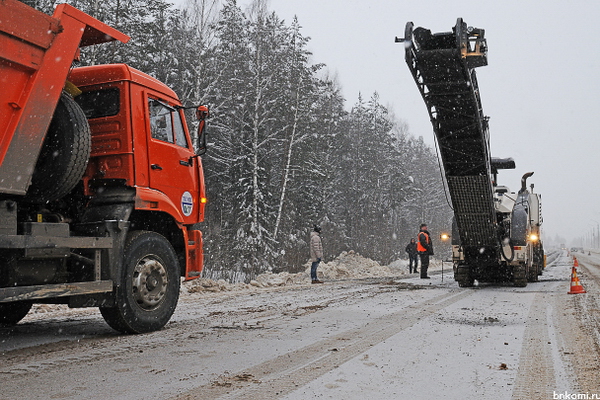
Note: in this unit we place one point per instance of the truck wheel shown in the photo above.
(147, 293)
(64, 155)
(12, 313)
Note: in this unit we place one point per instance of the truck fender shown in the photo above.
(154, 200)
(518, 228)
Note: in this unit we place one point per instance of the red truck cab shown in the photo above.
(140, 140)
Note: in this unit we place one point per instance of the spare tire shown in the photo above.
(64, 155)
(12, 313)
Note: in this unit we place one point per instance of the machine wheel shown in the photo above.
(538, 258)
(148, 291)
(532, 273)
(463, 276)
(12, 313)
(520, 273)
(64, 155)
(466, 282)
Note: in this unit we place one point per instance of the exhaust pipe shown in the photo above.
(524, 182)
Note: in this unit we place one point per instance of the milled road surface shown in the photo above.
(354, 339)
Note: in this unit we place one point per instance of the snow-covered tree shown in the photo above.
(283, 153)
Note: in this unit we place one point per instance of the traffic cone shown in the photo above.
(576, 287)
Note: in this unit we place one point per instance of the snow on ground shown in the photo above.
(348, 339)
(473, 348)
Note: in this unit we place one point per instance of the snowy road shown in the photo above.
(376, 338)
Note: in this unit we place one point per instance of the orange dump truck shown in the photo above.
(101, 190)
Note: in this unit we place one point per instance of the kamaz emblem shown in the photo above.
(187, 204)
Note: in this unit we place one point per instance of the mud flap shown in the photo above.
(195, 255)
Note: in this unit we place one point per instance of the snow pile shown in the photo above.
(351, 265)
(281, 279)
(209, 285)
(348, 265)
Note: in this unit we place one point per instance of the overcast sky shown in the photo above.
(540, 89)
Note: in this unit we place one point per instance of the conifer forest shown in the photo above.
(285, 149)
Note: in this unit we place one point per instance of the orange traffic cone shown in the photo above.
(576, 287)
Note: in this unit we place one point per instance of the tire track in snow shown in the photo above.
(535, 376)
(284, 374)
(540, 352)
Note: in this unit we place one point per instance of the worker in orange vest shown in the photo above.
(425, 249)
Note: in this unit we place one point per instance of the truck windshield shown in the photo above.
(99, 103)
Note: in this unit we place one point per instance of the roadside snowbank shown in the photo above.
(348, 265)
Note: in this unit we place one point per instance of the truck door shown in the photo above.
(171, 162)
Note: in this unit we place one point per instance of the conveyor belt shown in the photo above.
(442, 65)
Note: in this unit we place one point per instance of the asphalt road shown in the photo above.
(351, 339)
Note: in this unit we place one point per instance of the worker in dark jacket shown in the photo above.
(413, 256)
(316, 253)
(425, 249)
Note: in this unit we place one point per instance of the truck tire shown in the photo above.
(148, 291)
(12, 313)
(64, 154)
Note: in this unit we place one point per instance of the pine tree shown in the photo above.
(226, 164)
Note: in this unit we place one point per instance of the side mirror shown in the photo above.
(201, 115)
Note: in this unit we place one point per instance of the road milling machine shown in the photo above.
(496, 232)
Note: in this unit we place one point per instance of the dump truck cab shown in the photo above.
(141, 147)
